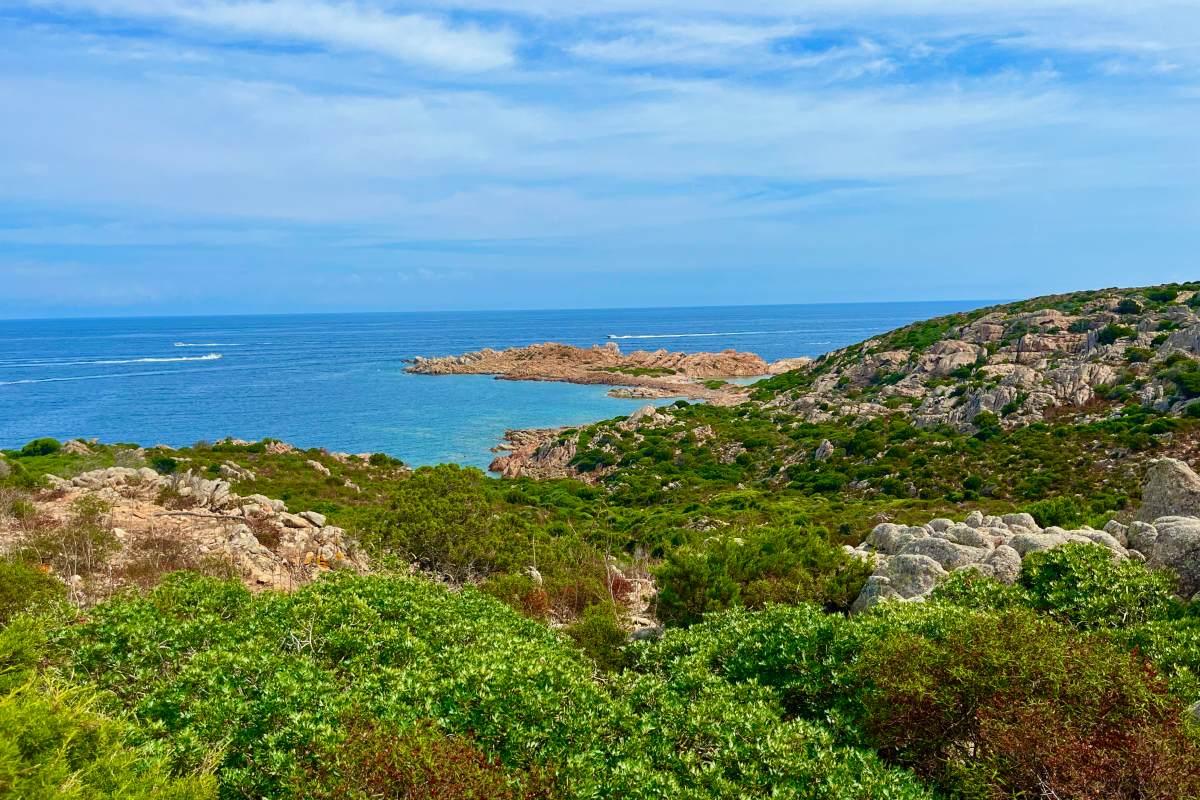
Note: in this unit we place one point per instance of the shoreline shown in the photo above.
(641, 374)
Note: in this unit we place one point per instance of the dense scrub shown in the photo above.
(357, 685)
(290, 691)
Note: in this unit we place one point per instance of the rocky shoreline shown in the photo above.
(642, 374)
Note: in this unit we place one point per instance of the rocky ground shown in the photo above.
(145, 524)
(641, 374)
(910, 560)
(1023, 362)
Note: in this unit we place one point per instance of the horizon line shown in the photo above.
(85, 317)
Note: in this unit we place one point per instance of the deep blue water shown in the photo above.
(338, 381)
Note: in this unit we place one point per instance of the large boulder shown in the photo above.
(1171, 489)
(1177, 548)
(949, 555)
(877, 589)
(888, 538)
(914, 576)
(1005, 563)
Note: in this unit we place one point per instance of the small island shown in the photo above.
(641, 374)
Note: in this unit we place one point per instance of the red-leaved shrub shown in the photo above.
(1010, 705)
(419, 763)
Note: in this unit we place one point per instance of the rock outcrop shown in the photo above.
(269, 546)
(656, 374)
(1171, 489)
(1076, 354)
(910, 559)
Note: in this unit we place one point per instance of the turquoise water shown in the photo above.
(338, 381)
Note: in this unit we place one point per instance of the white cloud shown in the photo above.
(695, 42)
(415, 38)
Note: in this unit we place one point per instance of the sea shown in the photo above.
(337, 380)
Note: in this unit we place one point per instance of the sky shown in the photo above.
(242, 156)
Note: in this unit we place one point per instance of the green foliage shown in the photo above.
(598, 633)
(164, 465)
(270, 681)
(54, 745)
(1162, 295)
(1063, 511)
(40, 447)
(1111, 333)
(756, 567)
(1173, 645)
(1084, 586)
(640, 372)
(1135, 355)
(1129, 306)
(24, 587)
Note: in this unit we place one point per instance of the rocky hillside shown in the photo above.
(1066, 359)
(1078, 354)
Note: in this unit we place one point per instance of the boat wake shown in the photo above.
(691, 335)
(112, 361)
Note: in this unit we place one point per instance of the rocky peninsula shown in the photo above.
(641, 374)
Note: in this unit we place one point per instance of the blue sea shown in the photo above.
(338, 380)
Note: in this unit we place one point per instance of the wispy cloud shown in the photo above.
(644, 136)
(416, 38)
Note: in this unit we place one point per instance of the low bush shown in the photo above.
(759, 566)
(40, 447)
(1111, 333)
(599, 634)
(1084, 586)
(374, 760)
(55, 744)
(24, 588)
(1010, 705)
(1063, 512)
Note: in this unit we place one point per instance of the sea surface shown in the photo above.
(338, 380)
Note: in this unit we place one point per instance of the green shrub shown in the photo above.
(1162, 295)
(164, 465)
(1082, 585)
(271, 681)
(1063, 512)
(1129, 306)
(1010, 705)
(1111, 333)
(599, 634)
(760, 566)
(1136, 355)
(40, 447)
(54, 744)
(24, 587)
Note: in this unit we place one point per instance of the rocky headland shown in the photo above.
(1074, 354)
(641, 374)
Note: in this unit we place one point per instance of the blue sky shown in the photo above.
(225, 156)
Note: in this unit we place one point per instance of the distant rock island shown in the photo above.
(641, 374)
